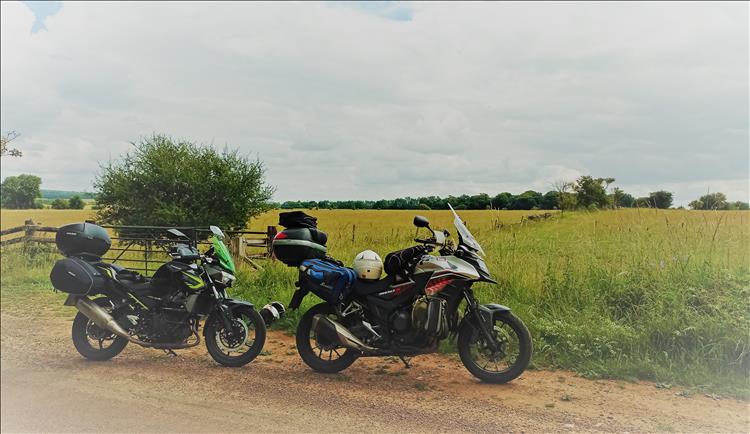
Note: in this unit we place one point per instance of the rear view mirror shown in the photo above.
(421, 222)
(217, 232)
(175, 234)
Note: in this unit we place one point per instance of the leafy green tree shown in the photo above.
(76, 202)
(164, 182)
(621, 199)
(592, 192)
(529, 199)
(59, 204)
(660, 199)
(550, 200)
(478, 201)
(19, 192)
(502, 201)
(711, 201)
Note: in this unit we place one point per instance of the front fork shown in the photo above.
(224, 313)
(474, 309)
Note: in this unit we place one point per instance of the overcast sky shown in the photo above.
(382, 100)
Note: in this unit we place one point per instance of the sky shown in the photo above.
(382, 100)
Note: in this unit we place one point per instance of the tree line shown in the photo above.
(586, 192)
(166, 182)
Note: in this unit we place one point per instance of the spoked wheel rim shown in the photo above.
(323, 348)
(239, 340)
(97, 337)
(501, 360)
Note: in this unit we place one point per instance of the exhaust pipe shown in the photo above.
(103, 319)
(335, 332)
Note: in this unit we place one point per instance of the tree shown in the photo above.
(527, 200)
(502, 201)
(19, 192)
(550, 200)
(711, 201)
(59, 204)
(660, 199)
(620, 199)
(76, 202)
(4, 149)
(740, 205)
(565, 198)
(592, 192)
(164, 182)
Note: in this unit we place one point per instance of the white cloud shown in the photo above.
(463, 98)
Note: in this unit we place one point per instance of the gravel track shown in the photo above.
(47, 386)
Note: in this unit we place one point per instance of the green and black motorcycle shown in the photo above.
(117, 306)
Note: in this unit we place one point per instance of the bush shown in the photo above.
(164, 182)
(59, 204)
(76, 202)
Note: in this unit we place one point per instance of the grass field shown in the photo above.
(662, 295)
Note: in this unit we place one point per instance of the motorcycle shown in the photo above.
(161, 312)
(413, 309)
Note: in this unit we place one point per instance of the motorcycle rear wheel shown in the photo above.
(321, 356)
(89, 339)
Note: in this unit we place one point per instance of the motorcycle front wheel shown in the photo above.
(239, 345)
(503, 364)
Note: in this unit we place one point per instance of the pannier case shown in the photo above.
(292, 246)
(76, 276)
(83, 239)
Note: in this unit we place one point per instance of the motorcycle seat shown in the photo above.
(140, 287)
(368, 287)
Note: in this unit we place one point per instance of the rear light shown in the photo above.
(280, 236)
(436, 285)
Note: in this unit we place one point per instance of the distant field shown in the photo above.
(650, 294)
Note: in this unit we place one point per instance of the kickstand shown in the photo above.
(406, 362)
(170, 352)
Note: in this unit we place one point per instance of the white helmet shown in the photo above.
(368, 265)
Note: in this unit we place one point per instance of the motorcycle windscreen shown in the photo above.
(222, 254)
(466, 236)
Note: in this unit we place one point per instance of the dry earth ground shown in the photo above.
(47, 386)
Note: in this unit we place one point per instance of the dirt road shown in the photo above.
(47, 386)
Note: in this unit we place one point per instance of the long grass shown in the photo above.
(635, 294)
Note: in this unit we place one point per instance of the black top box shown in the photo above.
(83, 239)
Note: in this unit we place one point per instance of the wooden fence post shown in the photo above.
(270, 234)
(28, 234)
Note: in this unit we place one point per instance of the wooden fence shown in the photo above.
(144, 248)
